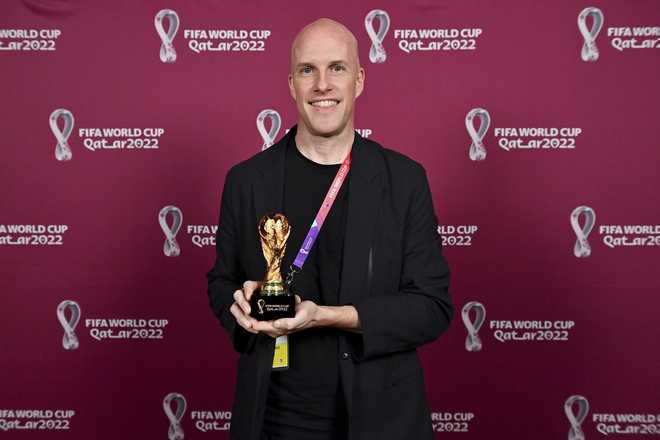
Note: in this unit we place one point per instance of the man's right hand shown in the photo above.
(241, 306)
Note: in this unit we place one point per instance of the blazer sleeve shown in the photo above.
(226, 276)
(422, 308)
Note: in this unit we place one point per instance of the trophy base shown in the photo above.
(271, 307)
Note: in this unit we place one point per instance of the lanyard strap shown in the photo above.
(330, 198)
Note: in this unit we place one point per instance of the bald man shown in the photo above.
(373, 286)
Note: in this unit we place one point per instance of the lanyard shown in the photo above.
(330, 198)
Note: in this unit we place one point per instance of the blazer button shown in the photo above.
(345, 355)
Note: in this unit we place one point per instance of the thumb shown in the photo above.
(249, 287)
(298, 300)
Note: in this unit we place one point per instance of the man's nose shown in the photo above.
(322, 84)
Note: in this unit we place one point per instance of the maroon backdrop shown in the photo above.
(562, 133)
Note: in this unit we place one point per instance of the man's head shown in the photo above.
(325, 77)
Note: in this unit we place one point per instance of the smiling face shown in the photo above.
(325, 78)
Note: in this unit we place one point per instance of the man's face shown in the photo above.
(325, 81)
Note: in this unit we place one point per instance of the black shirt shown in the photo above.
(308, 394)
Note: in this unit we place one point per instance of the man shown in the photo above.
(372, 289)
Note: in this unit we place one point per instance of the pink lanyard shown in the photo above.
(313, 233)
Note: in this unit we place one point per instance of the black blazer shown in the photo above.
(392, 272)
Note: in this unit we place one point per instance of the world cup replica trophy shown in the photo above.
(273, 300)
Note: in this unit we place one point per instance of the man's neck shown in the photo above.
(325, 150)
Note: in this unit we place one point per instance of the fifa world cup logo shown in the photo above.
(576, 419)
(477, 150)
(175, 431)
(167, 52)
(377, 52)
(581, 249)
(62, 149)
(589, 50)
(473, 342)
(69, 340)
(170, 247)
(275, 123)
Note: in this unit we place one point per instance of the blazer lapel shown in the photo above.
(267, 194)
(364, 198)
(268, 189)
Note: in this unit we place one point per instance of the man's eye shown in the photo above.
(338, 68)
(306, 69)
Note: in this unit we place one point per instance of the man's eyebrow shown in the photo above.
(310, 63)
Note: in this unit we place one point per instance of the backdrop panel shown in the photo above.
(537, 124)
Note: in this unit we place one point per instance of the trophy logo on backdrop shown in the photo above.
(477, 150)
(377, 52)
(581, 249)
(69, 340)
(473, 342)
(62, 149)
(167, 52)
(170, 247)
(576, 419)
(589, 49)
(175, 431)
(269, 135)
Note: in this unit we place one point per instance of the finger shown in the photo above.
(249, 284)
(236, 311)
(249, 287)
(283, 324)
(274, 334)
(288, 323)
(242, 302)
(263, 326)
(244, 321)
(298, 300)
(267, 327)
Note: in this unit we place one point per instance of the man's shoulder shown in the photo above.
(395, 161)
(246, 169)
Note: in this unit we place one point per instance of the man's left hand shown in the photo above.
(306, 312)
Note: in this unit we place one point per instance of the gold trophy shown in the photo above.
(273, 300)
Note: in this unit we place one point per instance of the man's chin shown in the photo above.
(325, 130)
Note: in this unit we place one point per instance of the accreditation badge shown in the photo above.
(281, 356)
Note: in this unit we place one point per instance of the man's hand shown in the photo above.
(306, 314)
(241, 306)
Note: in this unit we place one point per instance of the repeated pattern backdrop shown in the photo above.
(537, 123)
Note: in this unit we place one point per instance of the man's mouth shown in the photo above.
(324, 103)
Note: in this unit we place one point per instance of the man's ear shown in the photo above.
(292, 90)
(359, 82)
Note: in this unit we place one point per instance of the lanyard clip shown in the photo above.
(289, 277)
